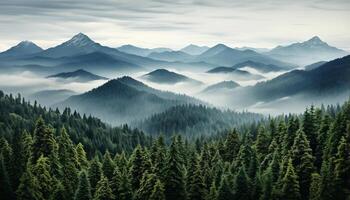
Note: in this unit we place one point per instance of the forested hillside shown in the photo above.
(17, 116)
(288, 157)
(194, 121)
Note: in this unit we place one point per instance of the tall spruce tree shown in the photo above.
(84, 189)
(95, 173)
(242, 185)
(43, 140)
(315, 187)
(290, 186)
(174, 177)
(158, 192)
(196, 186)
(103, 190)
(342, 170)
(303, 162)
(108, 165)
(225, 190)
(6, 191)
(41, 172)
(232, 146)
(69, 161)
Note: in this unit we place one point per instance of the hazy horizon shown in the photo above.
(163, 23)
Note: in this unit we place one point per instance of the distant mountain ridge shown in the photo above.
(131, 49)
(307, 52)
(220, 86)
(164, 76)
(21, 49)
(194, 49)
(78, 75)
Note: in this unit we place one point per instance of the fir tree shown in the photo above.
(174, 177)
(342, 170)
(103, 190)
(81, 156)
(290, 185)
(68, 159)
(213, 193)
(315, 187)
(146, 187)
(242, 185)
(43, 140)
(6, 192)
(196, 185)
(225, 191)
(41, 172)
(232, 146)
(95, 174)
(137, 168)
(158, 192)
(84, 189)
(108, 165)
(303, 162)
(28, 188)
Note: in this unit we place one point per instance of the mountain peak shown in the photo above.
(315, 40)
(80, 39)
(23, 48)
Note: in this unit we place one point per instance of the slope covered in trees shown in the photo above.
(288, 157)
(195, 120)
(17, 115)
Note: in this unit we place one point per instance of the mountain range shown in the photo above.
(327, 83)
(194, 49)
(220, 86)
(308, 52)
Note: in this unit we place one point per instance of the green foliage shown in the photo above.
(103, 190)
(84, 189)
(174, 174)
(43, 160)
(157, 192)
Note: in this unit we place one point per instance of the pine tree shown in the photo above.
(103, 190)
(310, 127)
(81, 156)
(303, 163)
(290, 185)
(41, 172)
(225, 191)
(60, 192)
(137, 168)
(95, 174)
(84, 189)
(262, 143)
(6, 192)
(232, 146)
(43, 140)
(342, 170)
(196, 184)
(315, 187)
(108, 165)
(68, 159)
(158, 192)
(242, 185)
(267, 185)
(28, 187)
(158, 157)
(213, 193)
(146, 187)
(174, 177)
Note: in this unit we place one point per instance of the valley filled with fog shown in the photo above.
(218, 76)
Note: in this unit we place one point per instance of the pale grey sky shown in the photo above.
(171, 23)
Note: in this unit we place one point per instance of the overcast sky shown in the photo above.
(171, 23)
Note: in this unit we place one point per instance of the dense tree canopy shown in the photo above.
(273, 159)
